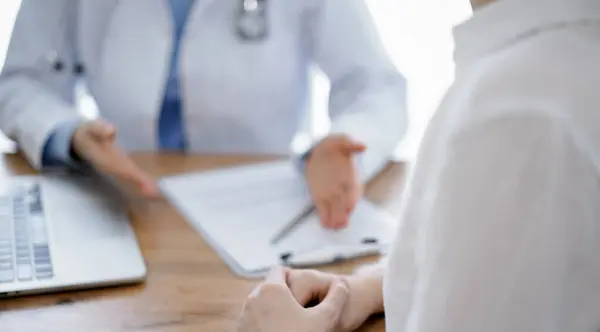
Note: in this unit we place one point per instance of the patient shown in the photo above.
(501, 224)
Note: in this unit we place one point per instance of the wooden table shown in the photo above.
(188, 287)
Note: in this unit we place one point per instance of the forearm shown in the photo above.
(368, 95)
(29, 115)
(370, 286)
(34, 100)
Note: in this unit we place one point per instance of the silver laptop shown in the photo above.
(64, 232)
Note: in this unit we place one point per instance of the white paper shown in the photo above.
(366, 222)
(239, 210)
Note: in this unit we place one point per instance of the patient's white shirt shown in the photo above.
(501, 220)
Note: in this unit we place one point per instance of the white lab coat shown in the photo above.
(501, 218)
(238, 97)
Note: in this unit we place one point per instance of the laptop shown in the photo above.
(63, 232)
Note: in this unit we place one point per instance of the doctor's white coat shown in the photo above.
(238, 97)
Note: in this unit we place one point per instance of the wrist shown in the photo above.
(76, 150)
(304, 159)
(324, 146)
(73, 153)
(370, 287)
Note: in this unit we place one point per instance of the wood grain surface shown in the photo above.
(188, 287)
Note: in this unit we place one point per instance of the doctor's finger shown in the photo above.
(349, 200)
(117, 163)
(339, 210)
(350, 146)
(324, 213)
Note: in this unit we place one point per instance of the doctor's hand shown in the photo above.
(95, 143)
(271, 307)
(332, 179)
(365, 297)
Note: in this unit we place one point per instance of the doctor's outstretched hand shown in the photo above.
(333, 180)
(95, 143)
(271, 307)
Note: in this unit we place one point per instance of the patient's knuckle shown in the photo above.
(269, 289)
(305, 276)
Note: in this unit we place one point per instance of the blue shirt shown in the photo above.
(171, 134)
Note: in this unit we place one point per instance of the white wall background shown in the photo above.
(417, 35)
(8, 12)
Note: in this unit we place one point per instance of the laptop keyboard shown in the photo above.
(24, 250)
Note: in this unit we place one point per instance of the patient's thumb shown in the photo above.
(330, 309)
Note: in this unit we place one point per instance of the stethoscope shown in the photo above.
(62, 41)
(251, 24)
(59, 65)
(251, 21)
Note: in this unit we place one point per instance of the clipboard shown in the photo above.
(238, 211)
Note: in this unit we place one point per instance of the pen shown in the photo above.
(295, 222)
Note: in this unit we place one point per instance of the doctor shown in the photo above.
(206, 76)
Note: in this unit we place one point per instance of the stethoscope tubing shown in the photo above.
(251, 25)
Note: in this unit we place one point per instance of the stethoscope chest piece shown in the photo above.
(251, 20)
(58, 65)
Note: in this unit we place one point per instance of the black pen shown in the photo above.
(295, 222)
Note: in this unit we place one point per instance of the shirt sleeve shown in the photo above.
(56, 152)
(34, 101)
(367, 100)
(503, 214)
